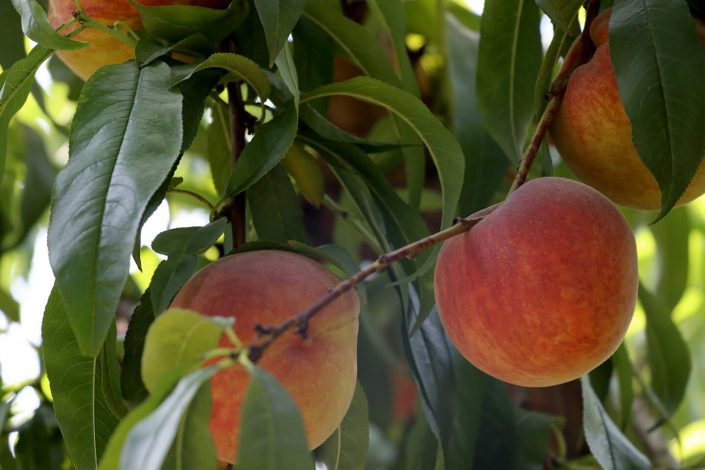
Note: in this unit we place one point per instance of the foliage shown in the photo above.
(343, 130)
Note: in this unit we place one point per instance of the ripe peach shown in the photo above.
(266, 287)
(594, 136)
(543, 289)
(105, 49)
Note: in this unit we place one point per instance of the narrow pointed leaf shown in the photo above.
(608, 445)
(444, 149)
(133, 388)
(271, 429)
(125, 139)
(346, 448)
(562, 13)
(83, 413)
(35, 25)
(508, 62)
(655, 53)
(278, 20)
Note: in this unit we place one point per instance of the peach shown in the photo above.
(542, 290)
(105, 49)
(319, 372)
(594, 136)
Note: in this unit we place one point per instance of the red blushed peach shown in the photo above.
(267, 287)
(543, 289)
(105, 49)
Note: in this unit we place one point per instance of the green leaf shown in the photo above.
(609, 446)
(534, 430)
(509, 58)
(560, 44)
(12, 48)
(178, 339)
(189, 240)
(193, 447)
(35, 25)
(671, 235)
(125, 138)
(169, 277)
(316, 69)
(39, 444)
(278, 20)
(176, 22)
(148, 442)
(485, 163)
(669, 358)
(276, 208)
(133, 388)
(38, 181)
(84, 415)
(444, 149)
(562, 13)
(195, 91)
(623, 368)
(346, 448)
(15, 85)
(305, 170)
(655, 53)
(240, 67)
(10, 308)
(219, 147)
(264, 151)
(271, 429)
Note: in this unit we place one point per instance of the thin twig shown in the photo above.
(194, 195)
(299, 322)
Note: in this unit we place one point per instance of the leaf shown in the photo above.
(149, 440)
(38, 181)
(608, 445)
(10, 308)
(12, 48)
(669, 358)
(169, 277)
(39, 444)
(278, 20)
(444, 149)
(509, 58)
(303, 167)
(655, 52)
(316, 69)
(671, 235)
(193, 447)
(271, 429)
(562, 13)
(133, 389)
(485, 163)
(534, 430)
(346, 448)
(275, 207)
(178, 339)
(239, 66)
(189, 240)
(176, 22)
(35, 25)
(83, 413)
(623, 368)
(195, 91)
(219, 145)
(264, 151)
(125, 138)
(15, 85)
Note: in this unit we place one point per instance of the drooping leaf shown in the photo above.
(169, 277)
(125, 138)
(610, 447)
(562, 13)
(672, 235)
(444, 149)
(271, 429)
(219, 147)
(133, 389)
(278, 20)
(264, 151)
(669, 358)
(176, 22)
(623, 369)
(655, 52)
(149, 440)
(509, 58)
(308, 175)
(81, 408)
(193, 447)
(35, 25)
(12, 48)
(485, 163)
(276, 208)
(15, 85)
(346, 448)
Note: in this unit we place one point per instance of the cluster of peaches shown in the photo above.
(538, 293)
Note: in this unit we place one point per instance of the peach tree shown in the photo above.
(324, 150)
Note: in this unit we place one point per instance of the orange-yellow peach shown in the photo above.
(542, 290)
(105, 49)
(594, 136)
(266, 287)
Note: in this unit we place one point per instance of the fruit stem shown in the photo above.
(299, 322)
(86, 20)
